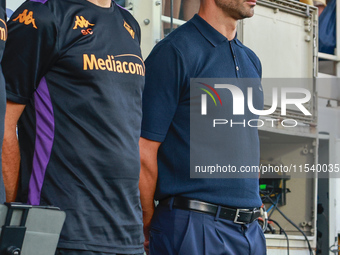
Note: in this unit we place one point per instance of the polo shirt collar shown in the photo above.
(210, 33)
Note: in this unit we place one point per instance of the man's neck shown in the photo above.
(102, 3)
(218, 19)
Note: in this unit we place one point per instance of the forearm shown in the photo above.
(147, 186)
(147, 183)
(10, 164)
(10, 150)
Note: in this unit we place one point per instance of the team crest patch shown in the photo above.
(129, 29)
(26, 18)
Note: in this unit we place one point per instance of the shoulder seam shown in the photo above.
(247, 50)
(178, 51)
(55, 22)
(57, 25)
(185, 71)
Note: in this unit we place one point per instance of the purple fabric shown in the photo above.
(43, 141)
(122, 7)
(39, 1)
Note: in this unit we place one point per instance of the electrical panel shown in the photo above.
(284, 35)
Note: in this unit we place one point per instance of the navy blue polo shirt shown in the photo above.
(195, 50)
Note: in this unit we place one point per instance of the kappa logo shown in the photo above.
(81, 22)
(26, 18)
(129, 29)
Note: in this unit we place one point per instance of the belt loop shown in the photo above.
(171, 202)
(218, 213)
(252, 215)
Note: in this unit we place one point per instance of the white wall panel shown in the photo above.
(12, 5)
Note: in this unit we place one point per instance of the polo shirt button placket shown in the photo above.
(235, 60)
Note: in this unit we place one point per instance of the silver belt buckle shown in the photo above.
(238, 215)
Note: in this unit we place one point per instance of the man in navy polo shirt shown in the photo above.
(189, 218)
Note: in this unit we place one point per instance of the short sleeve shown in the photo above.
(164, 79)
(30, 50)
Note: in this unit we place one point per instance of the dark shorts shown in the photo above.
(81, 252)
(182, 232)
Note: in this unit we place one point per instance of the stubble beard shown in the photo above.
(234, 10)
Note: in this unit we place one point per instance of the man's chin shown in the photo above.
(247, 15)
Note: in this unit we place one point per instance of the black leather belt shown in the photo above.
(239, 216)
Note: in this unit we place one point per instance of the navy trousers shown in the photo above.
(183, 232)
